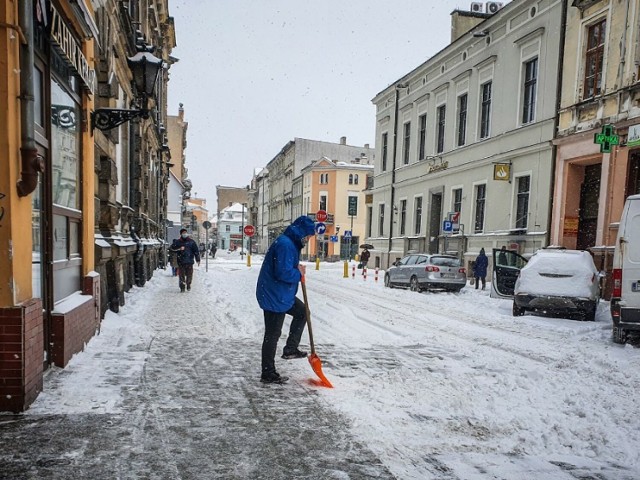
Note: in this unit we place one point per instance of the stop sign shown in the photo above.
(321, 216)
(249, 230)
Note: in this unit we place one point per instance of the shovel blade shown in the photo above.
(316, 364)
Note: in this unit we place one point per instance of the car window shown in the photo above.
(404, 260)
(412, 260)
(421, 259)
(445, 261)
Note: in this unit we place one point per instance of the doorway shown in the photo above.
(589, 202)
(435, 220)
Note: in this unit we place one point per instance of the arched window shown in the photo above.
(350, 179)
(355, 179)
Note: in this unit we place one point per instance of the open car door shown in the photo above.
(506, 268)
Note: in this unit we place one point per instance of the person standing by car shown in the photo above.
(364, 258)
(276, 294)
(187, 252)
(480, 269)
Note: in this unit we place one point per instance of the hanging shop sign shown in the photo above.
(438, 167)
(606, 138)
(70, 50)
(502, 171)
(633, 139)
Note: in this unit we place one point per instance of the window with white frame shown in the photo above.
(462, 120)
(351, 179)
(456, 197)
(403, 216)
(385, 148)
(355, 179)
(324, 178)
(407, 143)
(480, 197)
(323, 202)
(441, 113)
(418, 216)
(381, 219)
(423, 136)
(523, 185)
(485, 110)
(529, 90)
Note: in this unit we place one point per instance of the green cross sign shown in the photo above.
(606, 138)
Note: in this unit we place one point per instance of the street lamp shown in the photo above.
(145, 68)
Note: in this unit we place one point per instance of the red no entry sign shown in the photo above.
(321, 216)
(249, 230)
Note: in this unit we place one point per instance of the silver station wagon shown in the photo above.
(424, 271)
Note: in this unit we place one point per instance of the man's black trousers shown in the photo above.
(273, 328)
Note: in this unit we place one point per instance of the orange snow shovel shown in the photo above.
(314, 360)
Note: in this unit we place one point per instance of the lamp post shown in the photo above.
(145, 68)
(398, 87)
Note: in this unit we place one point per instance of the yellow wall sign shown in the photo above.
(502, 171)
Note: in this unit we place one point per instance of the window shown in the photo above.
(324, 178)
(462, 120)
(594, 59)
(370, 220)
(457, 199)
(351, 179)
(323, 202)
(530, 82)
(403, 216)
(442, 111)
(381, 220)
(485, 110)
(385, 145)
(522, 201)
(418, 225)
(406, 144)
(240, 228)
(227, 228)
(481, 192)
(355, 179)
(423, 137)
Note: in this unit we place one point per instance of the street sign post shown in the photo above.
(249, 231)
(206, 225)
(320, 228)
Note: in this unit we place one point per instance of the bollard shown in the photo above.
(364, 273)
(317, 263)
(376, 277)
(353, 271)
(346, 270)
(248, 260)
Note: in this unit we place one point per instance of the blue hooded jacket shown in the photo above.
(279, 275)
(480, 268)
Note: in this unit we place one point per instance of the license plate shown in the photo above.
(447, 275)
(635, 286)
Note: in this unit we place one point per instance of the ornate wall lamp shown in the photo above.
(145, 68)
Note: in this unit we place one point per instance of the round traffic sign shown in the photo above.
(249, 230)
(321, 216)
(206, 224)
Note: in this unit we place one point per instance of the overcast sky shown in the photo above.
(254, 74)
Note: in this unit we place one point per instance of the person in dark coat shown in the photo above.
(214, 249)
(364, 258)
(480, 269)
(187, 252)
(276, 290)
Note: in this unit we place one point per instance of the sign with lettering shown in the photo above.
(71, 51)
(633, 139)
(606, 138)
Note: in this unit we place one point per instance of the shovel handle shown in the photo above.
(308, 313)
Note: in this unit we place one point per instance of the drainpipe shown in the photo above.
(393, 165)
(556, 122)
(31, 162)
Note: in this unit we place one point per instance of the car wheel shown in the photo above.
(590, 315)
(387, 281)
(517, 311)
(415, 285)
(619, 335)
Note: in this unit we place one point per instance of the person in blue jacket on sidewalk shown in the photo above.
(186, 250)
(276, 291)
(480, 269)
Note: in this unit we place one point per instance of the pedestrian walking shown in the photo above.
(364, 258)
(480, 269)
(187, 253)
(276, 290)
(214, 249)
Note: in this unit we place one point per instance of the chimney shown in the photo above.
(366, 145)
(181, 112)
(462, 21)
(343, 140)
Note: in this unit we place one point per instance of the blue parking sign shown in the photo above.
(447, 226)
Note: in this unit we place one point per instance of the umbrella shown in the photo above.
(368, 246)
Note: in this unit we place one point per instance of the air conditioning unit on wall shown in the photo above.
(493, 7)
(476, 7)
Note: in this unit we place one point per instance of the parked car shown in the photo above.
(420, 271)
(557, 281)
(625, 297)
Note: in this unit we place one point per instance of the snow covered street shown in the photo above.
(427, 386)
